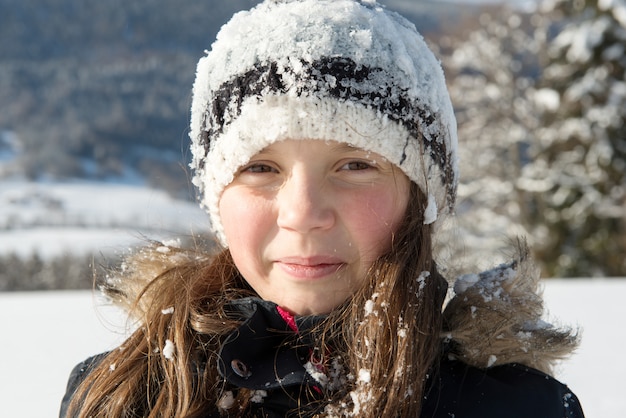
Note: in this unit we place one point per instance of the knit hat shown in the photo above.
(342, 70)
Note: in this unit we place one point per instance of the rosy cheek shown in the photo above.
(232, 217)
(375, 216)
(246, 219)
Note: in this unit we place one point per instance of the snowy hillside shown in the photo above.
(85, 217)
(45, 334)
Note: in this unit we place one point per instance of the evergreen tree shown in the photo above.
(490, 72)
(576, 177)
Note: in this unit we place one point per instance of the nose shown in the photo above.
(304, 203)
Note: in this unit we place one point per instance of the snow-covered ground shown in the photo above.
(42, 336)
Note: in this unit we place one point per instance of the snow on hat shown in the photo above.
(343, 70)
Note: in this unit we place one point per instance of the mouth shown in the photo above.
(310, 267)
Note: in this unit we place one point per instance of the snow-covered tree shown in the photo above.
(541, 102)
(577, 174)
(490, 71)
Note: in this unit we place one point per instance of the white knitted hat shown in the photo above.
(343, 70)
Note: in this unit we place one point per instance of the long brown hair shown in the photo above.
(390, 330)
(385, 338)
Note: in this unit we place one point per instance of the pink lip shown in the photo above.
(310, 267)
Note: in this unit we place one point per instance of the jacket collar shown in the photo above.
(264, 352)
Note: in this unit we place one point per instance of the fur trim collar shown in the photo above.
(497, 317)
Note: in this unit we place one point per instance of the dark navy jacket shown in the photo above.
(257, 357)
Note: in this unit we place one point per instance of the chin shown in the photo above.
(304, 309)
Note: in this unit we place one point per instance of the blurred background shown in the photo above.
(94, 109)
(95, 96)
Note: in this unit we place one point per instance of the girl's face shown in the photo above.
(305, 220)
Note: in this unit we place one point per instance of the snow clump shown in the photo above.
(365, 376)
(369, 305)
(317, 374)
(464, 282)
(168, 350)
(258, 396)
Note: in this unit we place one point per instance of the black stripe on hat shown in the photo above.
(335, 77)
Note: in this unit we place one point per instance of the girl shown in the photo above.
(324, 149)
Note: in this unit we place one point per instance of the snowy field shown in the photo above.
(54, 218)
(44, 334)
